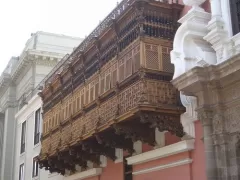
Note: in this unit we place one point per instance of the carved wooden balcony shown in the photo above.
(114, 90)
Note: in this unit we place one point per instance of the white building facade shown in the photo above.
(206, 55)
(19, 141)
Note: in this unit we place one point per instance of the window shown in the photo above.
(35, 168)
(21, 172)
(37, 126)
(235, 13)
(23, 137)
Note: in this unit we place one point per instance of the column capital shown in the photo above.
(205, 116)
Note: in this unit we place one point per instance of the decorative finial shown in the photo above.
(194, 3)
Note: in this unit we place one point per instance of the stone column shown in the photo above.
(2, 116)
(217, 35)
(206, 116)
(216, 8)
(7, 163)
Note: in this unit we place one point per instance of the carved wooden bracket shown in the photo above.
(136, 132)
(164, 122)
(115, 141)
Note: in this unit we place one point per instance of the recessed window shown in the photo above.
(21, 172)
(235, 14)
(35, 168)
(23, 137)
(37, 126)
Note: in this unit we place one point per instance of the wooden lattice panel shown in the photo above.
(114, 74)
(108, 110)
(55, 138)
(152, 57)
(161, 93)
(129, 97)
(136, 59)
(121, 69)
(45, 144)
(128, 64)
(166, 61)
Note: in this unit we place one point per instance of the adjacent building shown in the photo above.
(206, 55)
(20, 106)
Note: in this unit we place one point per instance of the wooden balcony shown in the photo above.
(114, 91)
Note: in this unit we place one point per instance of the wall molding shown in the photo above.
(182, 146)
(85, 174)
(165, 166)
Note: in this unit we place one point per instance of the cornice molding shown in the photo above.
(34, 56)
(165, 166)
(199, 78)
(180, 147)
(85, 174)
(25, 108)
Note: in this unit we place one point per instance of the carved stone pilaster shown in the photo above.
(206, 117)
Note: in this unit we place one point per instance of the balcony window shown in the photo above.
(35, 168)
(23, 137)
(21, 172)
(37, 126)
(235, 14)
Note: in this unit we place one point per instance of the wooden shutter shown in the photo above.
(87, 94)
(102, 83)
(128, 68)
(92, 91)
(108, 80)
(121, 70)
(152, 59)
(97, 88)
(82, 98)
(114, 74)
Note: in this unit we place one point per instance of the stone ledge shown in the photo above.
(85, 174)
(182, 146)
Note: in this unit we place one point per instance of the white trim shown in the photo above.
(119, 155)
(165, 166)
(85, 174)
(182, 146)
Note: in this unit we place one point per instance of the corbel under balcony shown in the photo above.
(85, 174)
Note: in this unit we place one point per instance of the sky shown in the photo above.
(20, 18)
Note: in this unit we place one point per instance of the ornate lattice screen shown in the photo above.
(166, 61)
(152, 57)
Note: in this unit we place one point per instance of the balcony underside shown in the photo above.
(138, 125)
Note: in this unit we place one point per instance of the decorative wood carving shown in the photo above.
(110, 91)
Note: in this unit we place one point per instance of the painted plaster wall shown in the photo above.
(198, 155)
(112, 171)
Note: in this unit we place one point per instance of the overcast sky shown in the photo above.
(20, 18)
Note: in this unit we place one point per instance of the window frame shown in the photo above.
(37, 126)
(35, 168)
(23, 137)
(234, 18)
(21, 172)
